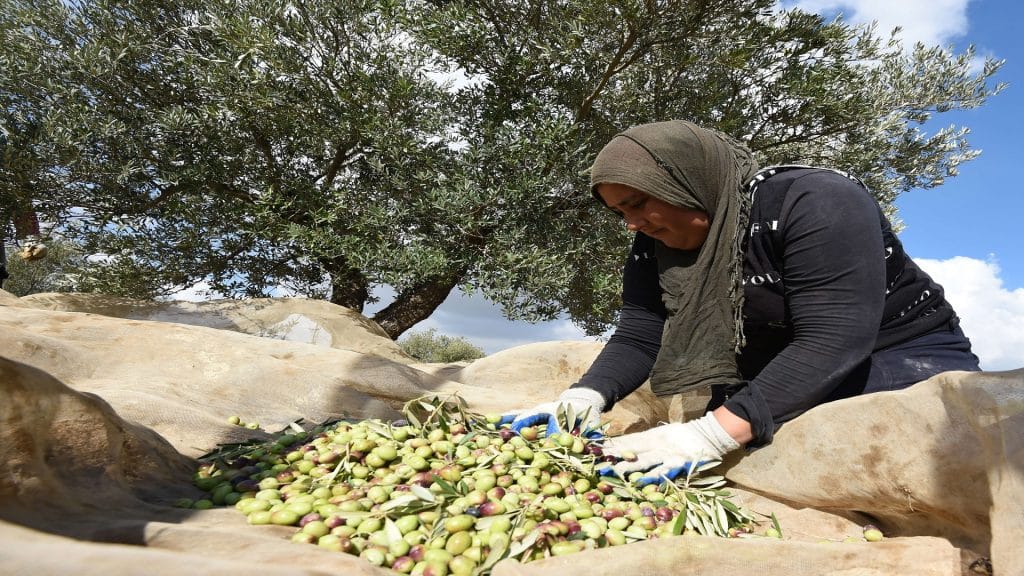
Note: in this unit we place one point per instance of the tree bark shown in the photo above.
(416, 303)
(348, 285)
(26, 223)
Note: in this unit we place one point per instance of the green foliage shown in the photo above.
(428, 346)
(54, 273)
(314, 146)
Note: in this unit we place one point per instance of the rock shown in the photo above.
(944, 458)
(106, 401)
(292, 319)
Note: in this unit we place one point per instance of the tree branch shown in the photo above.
(341, 154)
(417, 303)
(611, 70)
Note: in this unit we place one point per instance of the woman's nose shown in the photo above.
(635, 222)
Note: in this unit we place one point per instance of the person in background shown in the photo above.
(780, 288)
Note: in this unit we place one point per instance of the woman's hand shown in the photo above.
(668, 450)
(586, 405)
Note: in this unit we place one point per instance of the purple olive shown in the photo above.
(247, 485)
(664, 514)
(403, 564)
(334, 521)
(311, 517)
(417, 552)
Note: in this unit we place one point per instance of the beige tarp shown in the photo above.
(103, 413)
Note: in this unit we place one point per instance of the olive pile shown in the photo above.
(449, 492)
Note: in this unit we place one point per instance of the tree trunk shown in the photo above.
(348, 285)
(416, 303)
(26, 223)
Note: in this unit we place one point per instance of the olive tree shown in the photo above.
(250, 144)
(551, 82)
(329, 148)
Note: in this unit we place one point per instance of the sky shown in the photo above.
(965, 233)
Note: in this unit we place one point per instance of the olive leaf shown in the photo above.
(775, 524)
(391, 531)
(422, 493)
(679, 524)
(499, 550)
(521, 547)
(399, 502)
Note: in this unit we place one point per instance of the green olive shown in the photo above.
(374, 556)
(458, 542)
(259, 517)
(461, 566)
(407, 523)
(566, 547)
(316, 528)
(284, 517)
(459, 523)
(615, 537)
(370, 525)
(873, 534)
(552, 488)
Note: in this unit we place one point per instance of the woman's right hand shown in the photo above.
(586, 406)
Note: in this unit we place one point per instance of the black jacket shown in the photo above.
(826, 283)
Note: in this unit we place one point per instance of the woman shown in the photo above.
(781, 289)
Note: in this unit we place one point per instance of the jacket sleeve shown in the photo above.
(625, 361)
(834, 275)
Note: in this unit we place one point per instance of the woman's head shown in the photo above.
(688, 173)
(674, 226)
(685, 186)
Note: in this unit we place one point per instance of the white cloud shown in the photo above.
(991, 316)
(931, 22)
(198, 292)
(482, 324)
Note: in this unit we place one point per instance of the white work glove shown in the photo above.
(668, 450)
(586, 405)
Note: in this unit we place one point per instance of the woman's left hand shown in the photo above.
(670, 449)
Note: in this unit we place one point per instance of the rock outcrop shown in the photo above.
(107, 402)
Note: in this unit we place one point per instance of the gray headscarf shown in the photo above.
(700, 169)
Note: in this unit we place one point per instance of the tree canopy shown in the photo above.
(328, 148)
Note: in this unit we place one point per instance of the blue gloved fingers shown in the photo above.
(659, 475)
(518, 421)
(663, 473)
(552, 428)
(626, 467)
(641, 482)
(531, 420)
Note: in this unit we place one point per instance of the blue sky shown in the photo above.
(977, 213)
(965, 233)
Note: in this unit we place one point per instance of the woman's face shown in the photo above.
(675, 227)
